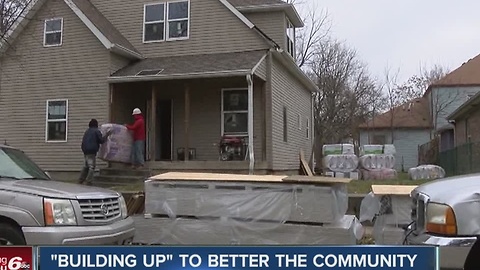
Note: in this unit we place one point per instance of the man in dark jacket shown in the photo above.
(138, 128)
(92, 139)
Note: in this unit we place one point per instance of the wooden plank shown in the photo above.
(304, 164)
(392, 189)
(316, 179)
(187, 176)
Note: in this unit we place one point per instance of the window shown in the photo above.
(285, 124)
(53, 32)
(57, 118)
(307, 127)
(235, 111)
(290, 38)
(167, 20)
(379, 139)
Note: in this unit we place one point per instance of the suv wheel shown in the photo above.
(11, 235)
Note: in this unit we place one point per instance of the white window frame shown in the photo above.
(56, 120)
(290, 26)
(223, 112)
(166, 21)
(52, 32)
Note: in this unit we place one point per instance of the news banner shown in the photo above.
(218, 257)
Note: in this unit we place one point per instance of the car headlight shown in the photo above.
(58, 212)
(441, 219)
(123, 207)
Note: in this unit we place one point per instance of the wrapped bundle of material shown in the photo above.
(389, 149)
(371, 149)
(379, 174)
(426, 172)
(375, 162)
(338, 149)
(341, 163)
(118, 146)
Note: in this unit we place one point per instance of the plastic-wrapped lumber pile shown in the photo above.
(377, 162)
(118, 146)
(340, 160)
(426, 172)
(389, 208)
(230, 209)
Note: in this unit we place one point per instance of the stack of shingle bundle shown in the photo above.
(340, 160)
(426, 172)
(377, 162)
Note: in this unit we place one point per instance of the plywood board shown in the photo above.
(231, 232)
(186, 176)
(316, 179)
(392, 189)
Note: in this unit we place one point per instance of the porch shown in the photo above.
(194, 114)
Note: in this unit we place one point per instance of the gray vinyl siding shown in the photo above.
(406, 144)
(205, 112)
(33, 74)
(261, 70)
(271, 23)
(117, 62)
(213, 29)
(289, 92)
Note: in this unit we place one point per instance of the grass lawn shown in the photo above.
(363, 187)
(355, 187)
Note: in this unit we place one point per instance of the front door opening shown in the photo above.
(164, 130)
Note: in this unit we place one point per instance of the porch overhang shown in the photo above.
(237, 64)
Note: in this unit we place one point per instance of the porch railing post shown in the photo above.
(186, 152)
(153, 145)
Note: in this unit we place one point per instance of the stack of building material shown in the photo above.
(389, 207)
(340, 160)
(426, 172)
(377, 162)
(118, 146)
(204, 208)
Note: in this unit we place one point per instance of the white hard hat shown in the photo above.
(136, 111)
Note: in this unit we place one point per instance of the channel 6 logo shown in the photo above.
(16, 258)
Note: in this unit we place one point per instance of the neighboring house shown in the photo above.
(466, 120)
(406, 126)
(448, 94)
(198, 69)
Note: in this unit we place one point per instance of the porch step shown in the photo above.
(143, 173)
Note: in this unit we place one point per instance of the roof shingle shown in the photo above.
(467, 74)
(188, 64)
(413, 114)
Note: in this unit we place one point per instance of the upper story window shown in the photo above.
(166, 21)
(290, 38)
(52, 32)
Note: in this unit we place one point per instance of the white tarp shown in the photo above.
(426, 172)
(118, 146)
(377, 161)
(341, 163)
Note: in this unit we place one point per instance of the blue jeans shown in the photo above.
(88, 169)
(137, 156)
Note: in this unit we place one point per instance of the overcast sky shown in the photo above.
(406, 34)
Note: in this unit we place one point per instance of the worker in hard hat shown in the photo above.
(138, 128)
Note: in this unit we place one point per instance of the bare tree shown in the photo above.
(10, 12)
(316, 29)
(347, 93)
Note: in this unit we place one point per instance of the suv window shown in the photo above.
(15, 164)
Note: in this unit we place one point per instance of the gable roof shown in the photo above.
(269, 5)
(191, 66)
(468, 74)
(95, 20)
(413, 114)
(466, 108)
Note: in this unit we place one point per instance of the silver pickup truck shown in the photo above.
(35, 210)
(446, 214)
